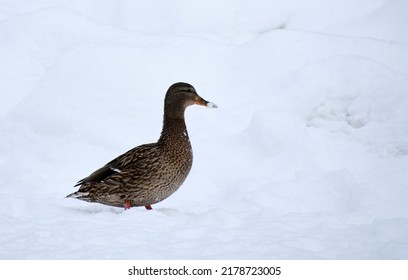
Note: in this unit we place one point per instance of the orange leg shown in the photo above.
(127, 204)
(148, 207)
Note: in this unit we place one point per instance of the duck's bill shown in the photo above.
(203, 102)
(211, 105)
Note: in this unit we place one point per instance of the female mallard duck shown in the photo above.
(152, 172)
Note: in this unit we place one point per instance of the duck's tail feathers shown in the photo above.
(78, 195)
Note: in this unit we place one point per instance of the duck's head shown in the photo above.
(181, 95)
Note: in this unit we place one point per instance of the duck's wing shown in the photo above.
(117, 165)
(99, 175)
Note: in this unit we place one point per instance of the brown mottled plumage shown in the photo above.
(152, 172)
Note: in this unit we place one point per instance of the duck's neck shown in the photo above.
(174, 133)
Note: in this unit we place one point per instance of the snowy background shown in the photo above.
(305, 158)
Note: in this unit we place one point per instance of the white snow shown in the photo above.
(306, 157)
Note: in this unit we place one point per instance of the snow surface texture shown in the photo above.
(306, 157)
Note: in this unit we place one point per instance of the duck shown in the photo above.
(149, 173)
